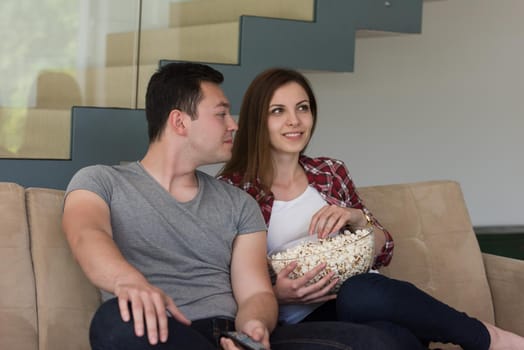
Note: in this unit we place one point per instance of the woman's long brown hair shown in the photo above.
(251, 147)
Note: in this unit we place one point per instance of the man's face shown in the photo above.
(211, 134)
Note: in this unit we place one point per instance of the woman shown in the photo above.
(276, 122)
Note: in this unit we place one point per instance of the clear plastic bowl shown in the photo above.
(347, 254)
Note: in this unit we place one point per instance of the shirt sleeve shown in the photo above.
(251, 219)
(94, 179)
(347, 189)
(264, 200)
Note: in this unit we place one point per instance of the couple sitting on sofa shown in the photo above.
(181, 256)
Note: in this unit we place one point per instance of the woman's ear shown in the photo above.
(177, 121)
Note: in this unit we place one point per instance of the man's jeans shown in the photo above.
(109, 332)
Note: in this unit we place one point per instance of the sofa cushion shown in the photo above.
(18, 320)
(508, 303)
(66, 299)
(435, 246)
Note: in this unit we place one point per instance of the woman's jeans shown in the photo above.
(402, 310)
(109, 332)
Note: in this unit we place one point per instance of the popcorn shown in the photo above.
(346, 254)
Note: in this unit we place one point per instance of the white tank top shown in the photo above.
(289, 221)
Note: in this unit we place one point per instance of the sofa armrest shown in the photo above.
(506, 280)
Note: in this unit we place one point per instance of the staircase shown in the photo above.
(238, 37)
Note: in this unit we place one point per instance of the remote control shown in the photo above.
(244, 340)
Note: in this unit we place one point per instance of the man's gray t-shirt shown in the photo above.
(182, 248)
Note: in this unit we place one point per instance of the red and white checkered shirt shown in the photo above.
(331, 179)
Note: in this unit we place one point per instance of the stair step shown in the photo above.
(218, 11)
(216, 43)
(98, 87)
(35, 133)
(115, 86)
(203, 35)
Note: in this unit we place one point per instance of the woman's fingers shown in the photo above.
(311, 274)
(332, 218)
(320, 291)
(333, 224)
(284, 273)
(316, 220)
(307, 292)
(324, 221)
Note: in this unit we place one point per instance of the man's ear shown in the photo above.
(177, 121)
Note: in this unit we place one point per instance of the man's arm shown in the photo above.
(87, 226)
(257, 305)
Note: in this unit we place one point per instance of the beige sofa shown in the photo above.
(46, 302)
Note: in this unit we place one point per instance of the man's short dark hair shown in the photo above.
(176, 86)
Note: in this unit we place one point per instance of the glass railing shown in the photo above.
(55, 54)
(52, 57)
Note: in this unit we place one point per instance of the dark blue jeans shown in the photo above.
(109, 332)
(402, 310)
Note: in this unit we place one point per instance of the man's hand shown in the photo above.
(228, 344)
(255, 330)
(149, 304)
(296, 291)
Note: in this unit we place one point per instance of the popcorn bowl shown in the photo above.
(347, 254)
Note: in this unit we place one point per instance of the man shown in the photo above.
(180, 256)
(158, 230)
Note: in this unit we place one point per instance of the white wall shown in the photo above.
(445, 104)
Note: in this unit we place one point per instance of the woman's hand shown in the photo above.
(295, 291)
(332, 218)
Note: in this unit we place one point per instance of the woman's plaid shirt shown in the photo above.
(331, 179)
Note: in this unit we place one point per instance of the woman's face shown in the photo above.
(290, 119)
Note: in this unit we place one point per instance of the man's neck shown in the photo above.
(172, 172)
